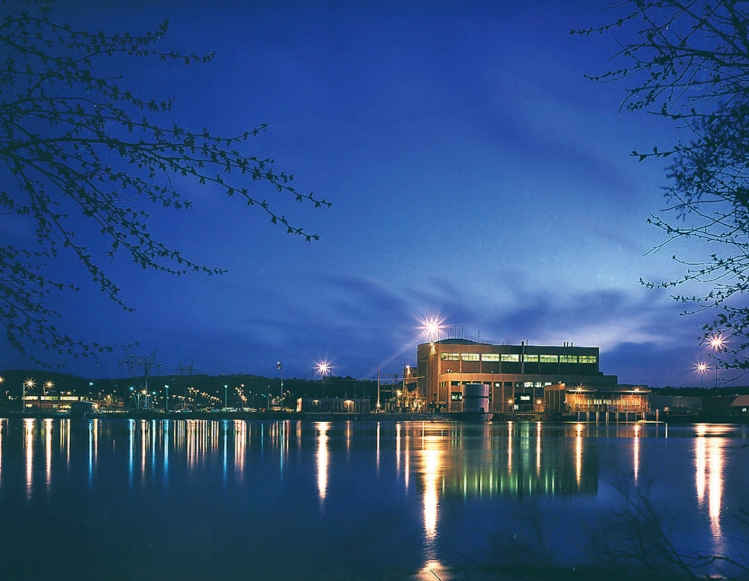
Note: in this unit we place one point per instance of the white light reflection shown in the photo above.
(538, 449)
(322, 461)
(433, 475)
(509, 448)
(398, 448)
(431, 499)
(131, 452)
(28, 439)
(143, 451)
(715, 486)
(48, 454)
(2, 431)
(240, 440)
(225, 429)
(636, 452)
(578, 454)
(167, 425)
(709, 462)
(378, 448)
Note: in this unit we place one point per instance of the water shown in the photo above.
(193, 499)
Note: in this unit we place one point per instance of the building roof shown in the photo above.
(741, 401)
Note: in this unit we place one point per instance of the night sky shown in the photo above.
(476, 176)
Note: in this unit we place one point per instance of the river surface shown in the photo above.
(195, 499)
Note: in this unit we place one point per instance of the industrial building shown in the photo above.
(519, 377)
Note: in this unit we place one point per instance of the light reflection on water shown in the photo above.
(361, 472)
(709, 452)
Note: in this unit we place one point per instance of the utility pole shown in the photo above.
(279, 366)
(378, 387)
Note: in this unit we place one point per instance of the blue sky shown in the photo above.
(475, 175)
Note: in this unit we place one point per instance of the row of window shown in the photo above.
(498, 384)
(515, 358)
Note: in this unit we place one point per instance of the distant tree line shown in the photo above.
(259, 386)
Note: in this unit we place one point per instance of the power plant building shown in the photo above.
(519, 377)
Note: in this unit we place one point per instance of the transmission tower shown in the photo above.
(140, 368)
(186, 371)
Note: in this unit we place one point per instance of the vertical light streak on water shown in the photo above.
(509, 448)
(28, 432)
(432, 467)
(131, 452)
(2, 432)
(281, 431)
(348, 439)
(377, 450)
(192, 443)
(578, 454)
(407, 460)
(167, 428)
(143, 450)
(48, 455)
(90, 454)
(225, 450)
(154, 431)
(398, 449)
(700, 464)
(322, 461)
(262, 440)
(65, 441)
(636, 452)
(715, 486)
(240, 439)
(538, 450)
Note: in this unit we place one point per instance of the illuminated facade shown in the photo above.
(518, 376)
(348, 405)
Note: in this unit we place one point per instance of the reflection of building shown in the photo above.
(519, 377)
(333, 404)
(526, 464)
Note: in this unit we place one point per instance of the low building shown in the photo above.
(52, 402)
(675, 405)
(333, 405)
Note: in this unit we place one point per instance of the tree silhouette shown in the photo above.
(688, 61)
(77, 143)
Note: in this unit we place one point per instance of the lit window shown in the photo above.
(470, 356)
(490, 357)
(530, 358)
(588, 359)
(528, 384)
(568, 358)
(510, 357)
(548, 358)
(450, 356)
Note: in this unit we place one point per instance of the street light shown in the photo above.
(323, 368)
(702, 368)
(717, 344)
(28, 384)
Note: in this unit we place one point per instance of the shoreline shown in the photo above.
(366, 417)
